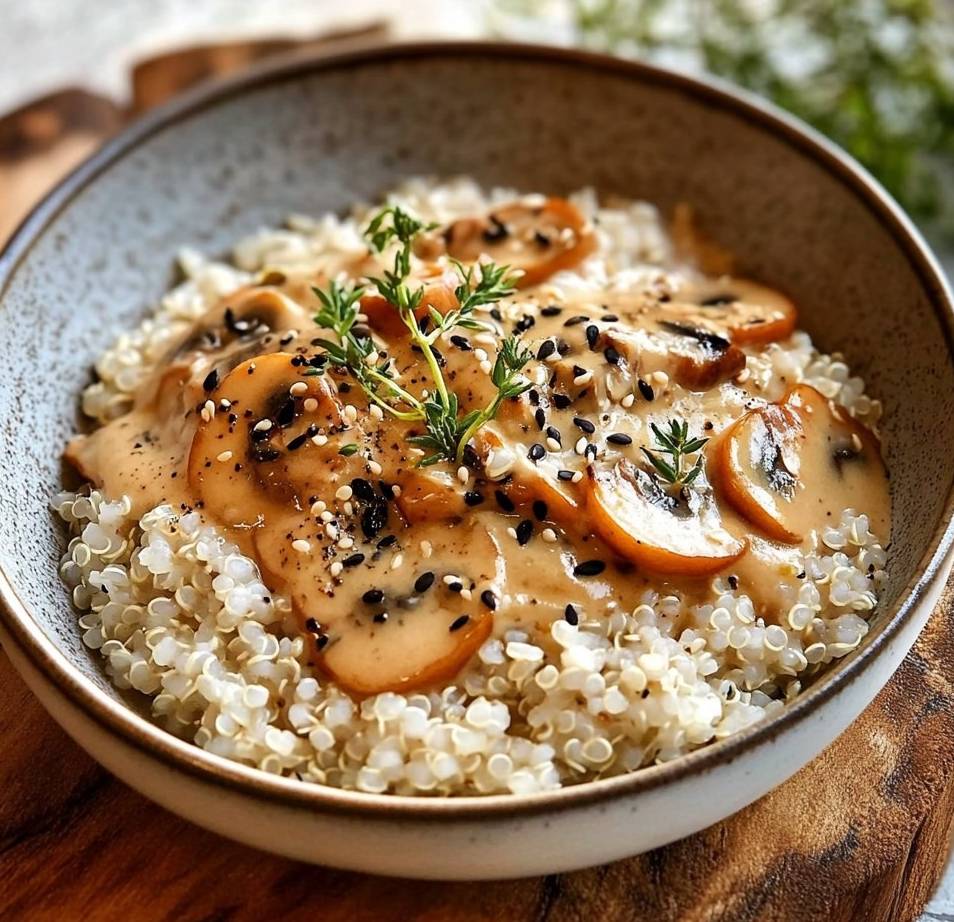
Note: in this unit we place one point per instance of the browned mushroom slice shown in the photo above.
(787, 466)
(668, 533)
(528, 482)
(693, 356)
(431, 495)
(538, 237)
(391, 627)
(384, 318)
(258, 456)
(245, 315)
(749, 312)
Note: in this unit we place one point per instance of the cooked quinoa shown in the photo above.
(182, 617)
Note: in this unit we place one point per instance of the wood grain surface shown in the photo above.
(859, 834)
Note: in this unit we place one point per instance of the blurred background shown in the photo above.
(877, 76)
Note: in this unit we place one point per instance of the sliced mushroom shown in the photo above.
(526, 482)
(747, 311)
(538, 237)
(431, 494)
(391, 628)
(692, 356)
(787, 466)
(655, 529)
(258, 454)
(384, 318)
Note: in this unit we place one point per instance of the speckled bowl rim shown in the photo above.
(119, 720)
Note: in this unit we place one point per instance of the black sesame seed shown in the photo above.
(547, 348)
(541, 239)
(489, 599)
(609, 318)
(322, 641)
(571, 615)
(592, 335)
(311, 625)
(574, 321)
(733, 582)
(619, 438)
(540, 417)
(646, 389)
(473, 498)
(354, 560)
(707, 425)
(540, 509)
(554, 433)
(589, 568)
(495, 313)
(455, 586)
(551, 310)
(461, 342)
(611, 355)
(584, 424)
(286, 414)
(496, 232)
(504, 501)
(565, 474)
(533, 397)
(373, 597)
(537, 451)
(590, 451)
(211, 381)
(380, 617)
(458, 623)
(561, 401)
(424, 582)
(363, 490)
(387, 541)
(524, 531)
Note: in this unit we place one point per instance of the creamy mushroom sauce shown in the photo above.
(398, 572)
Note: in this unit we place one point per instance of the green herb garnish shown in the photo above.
(447, 433)
(677, 444)
(348, 450)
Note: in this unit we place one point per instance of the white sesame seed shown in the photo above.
(263, 425)
(349, 508)
(318, 506)
(396, 490)
(319, 440)
(350, 413)
(426, 549)
(553, 444)
(661, 378)
(512, 532)
(205, 415)
(486, 367)
(299, 387)
(480, 354)
(856, 441)
(577, 477)
(224, 456)
(581, 444)
(584, 378)
(397, 562)
(628, 401)
(376, 412)
(326, 516)
(344, 492)
(548, 535)
(331, 530)
(485, 339)
(336, 568)
(742, 376)
(225, 404)
(375, 468)
(301, 546)
(463, 475)
(466, 594)
(310, 405)
(346, 542)
(451, 578)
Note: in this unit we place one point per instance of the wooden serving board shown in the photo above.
(859, 834)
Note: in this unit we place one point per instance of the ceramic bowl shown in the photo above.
(314, 135)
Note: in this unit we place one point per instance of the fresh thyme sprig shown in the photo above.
(677, 444)
(447, 433)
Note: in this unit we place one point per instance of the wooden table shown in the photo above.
(859, 834)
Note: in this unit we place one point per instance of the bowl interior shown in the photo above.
(316, 139)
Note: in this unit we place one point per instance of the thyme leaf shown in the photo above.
(678, 445)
